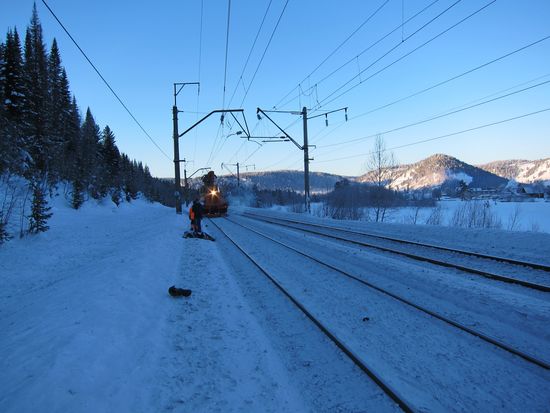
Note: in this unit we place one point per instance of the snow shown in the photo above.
(460, 176)
(87, 324)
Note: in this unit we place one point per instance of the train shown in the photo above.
(215, 204)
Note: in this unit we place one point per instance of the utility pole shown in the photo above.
(177, 176)
(177, 192)
(305, 146)
(224, 165)
(306, 161)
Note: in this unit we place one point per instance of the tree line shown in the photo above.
(45, 139)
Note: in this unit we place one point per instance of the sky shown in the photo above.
(322, 55)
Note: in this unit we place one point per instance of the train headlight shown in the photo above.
(213, 192)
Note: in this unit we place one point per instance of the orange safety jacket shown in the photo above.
(191, 214)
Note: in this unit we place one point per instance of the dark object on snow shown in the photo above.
(201, 235)
(178, 292)
(366, 319)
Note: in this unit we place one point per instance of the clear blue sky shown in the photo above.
(142, 48)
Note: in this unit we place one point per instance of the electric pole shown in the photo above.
(305, 146)
(177, 192)
(306, 161)
(224, 165)
(176, 136)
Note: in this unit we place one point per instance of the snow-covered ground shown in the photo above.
(530, 215)
(87, 324)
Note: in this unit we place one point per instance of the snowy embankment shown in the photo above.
(87, 324)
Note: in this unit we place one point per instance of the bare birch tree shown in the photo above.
(380, 164)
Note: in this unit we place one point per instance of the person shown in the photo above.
(196, 211)
(192, 218)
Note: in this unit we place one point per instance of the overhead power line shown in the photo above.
(250, 52)
(356, 57)
(265, 51)
(325, 102)
(490, 62)
(199, 81)
(470, 104)
(337, 48)
(226, 50)
(105, 81)
(443, 136)
(453, 112)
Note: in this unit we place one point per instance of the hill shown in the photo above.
(521, 170)
(437, 170)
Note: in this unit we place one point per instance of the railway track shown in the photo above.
(419, 251)
(498, 343)
(355, 358)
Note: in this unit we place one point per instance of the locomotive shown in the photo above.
(214, 202)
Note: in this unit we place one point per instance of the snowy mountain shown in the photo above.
(521, 170)
(437, 170)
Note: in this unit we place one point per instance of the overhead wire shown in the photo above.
(444, 136)
(263, 54)
(444, 82)
(369, 18)
(199, 80)
(105, 81)
(226, 51)
(250, 53)
(452, 112)
(361, 53)
(424, 9)
(325, 102)
(467, 72)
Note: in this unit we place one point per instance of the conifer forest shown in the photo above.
(50, 145)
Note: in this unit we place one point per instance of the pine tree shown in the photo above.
(77, 198)
(36, 79)
(111, 160)
(90, 154)
(72, 149)
(12, 75)
(11, 111)
(59, 107)
(39, 211)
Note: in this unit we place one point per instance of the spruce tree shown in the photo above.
(11, 111)
(72, 149)
(90, 154)
(111, 160)
(36, 79)
(39, 211)
(59, 106)
(77, 196)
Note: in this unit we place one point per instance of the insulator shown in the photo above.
(326, 120)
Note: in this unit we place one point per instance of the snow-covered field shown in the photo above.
(530, 216)
(87, 324)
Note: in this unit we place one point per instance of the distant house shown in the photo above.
(529, 191)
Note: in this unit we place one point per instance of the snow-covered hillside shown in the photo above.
(437, 170)
(521, 170)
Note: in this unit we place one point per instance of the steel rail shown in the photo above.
(491, 340)
(528, 284)
(325, 330)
